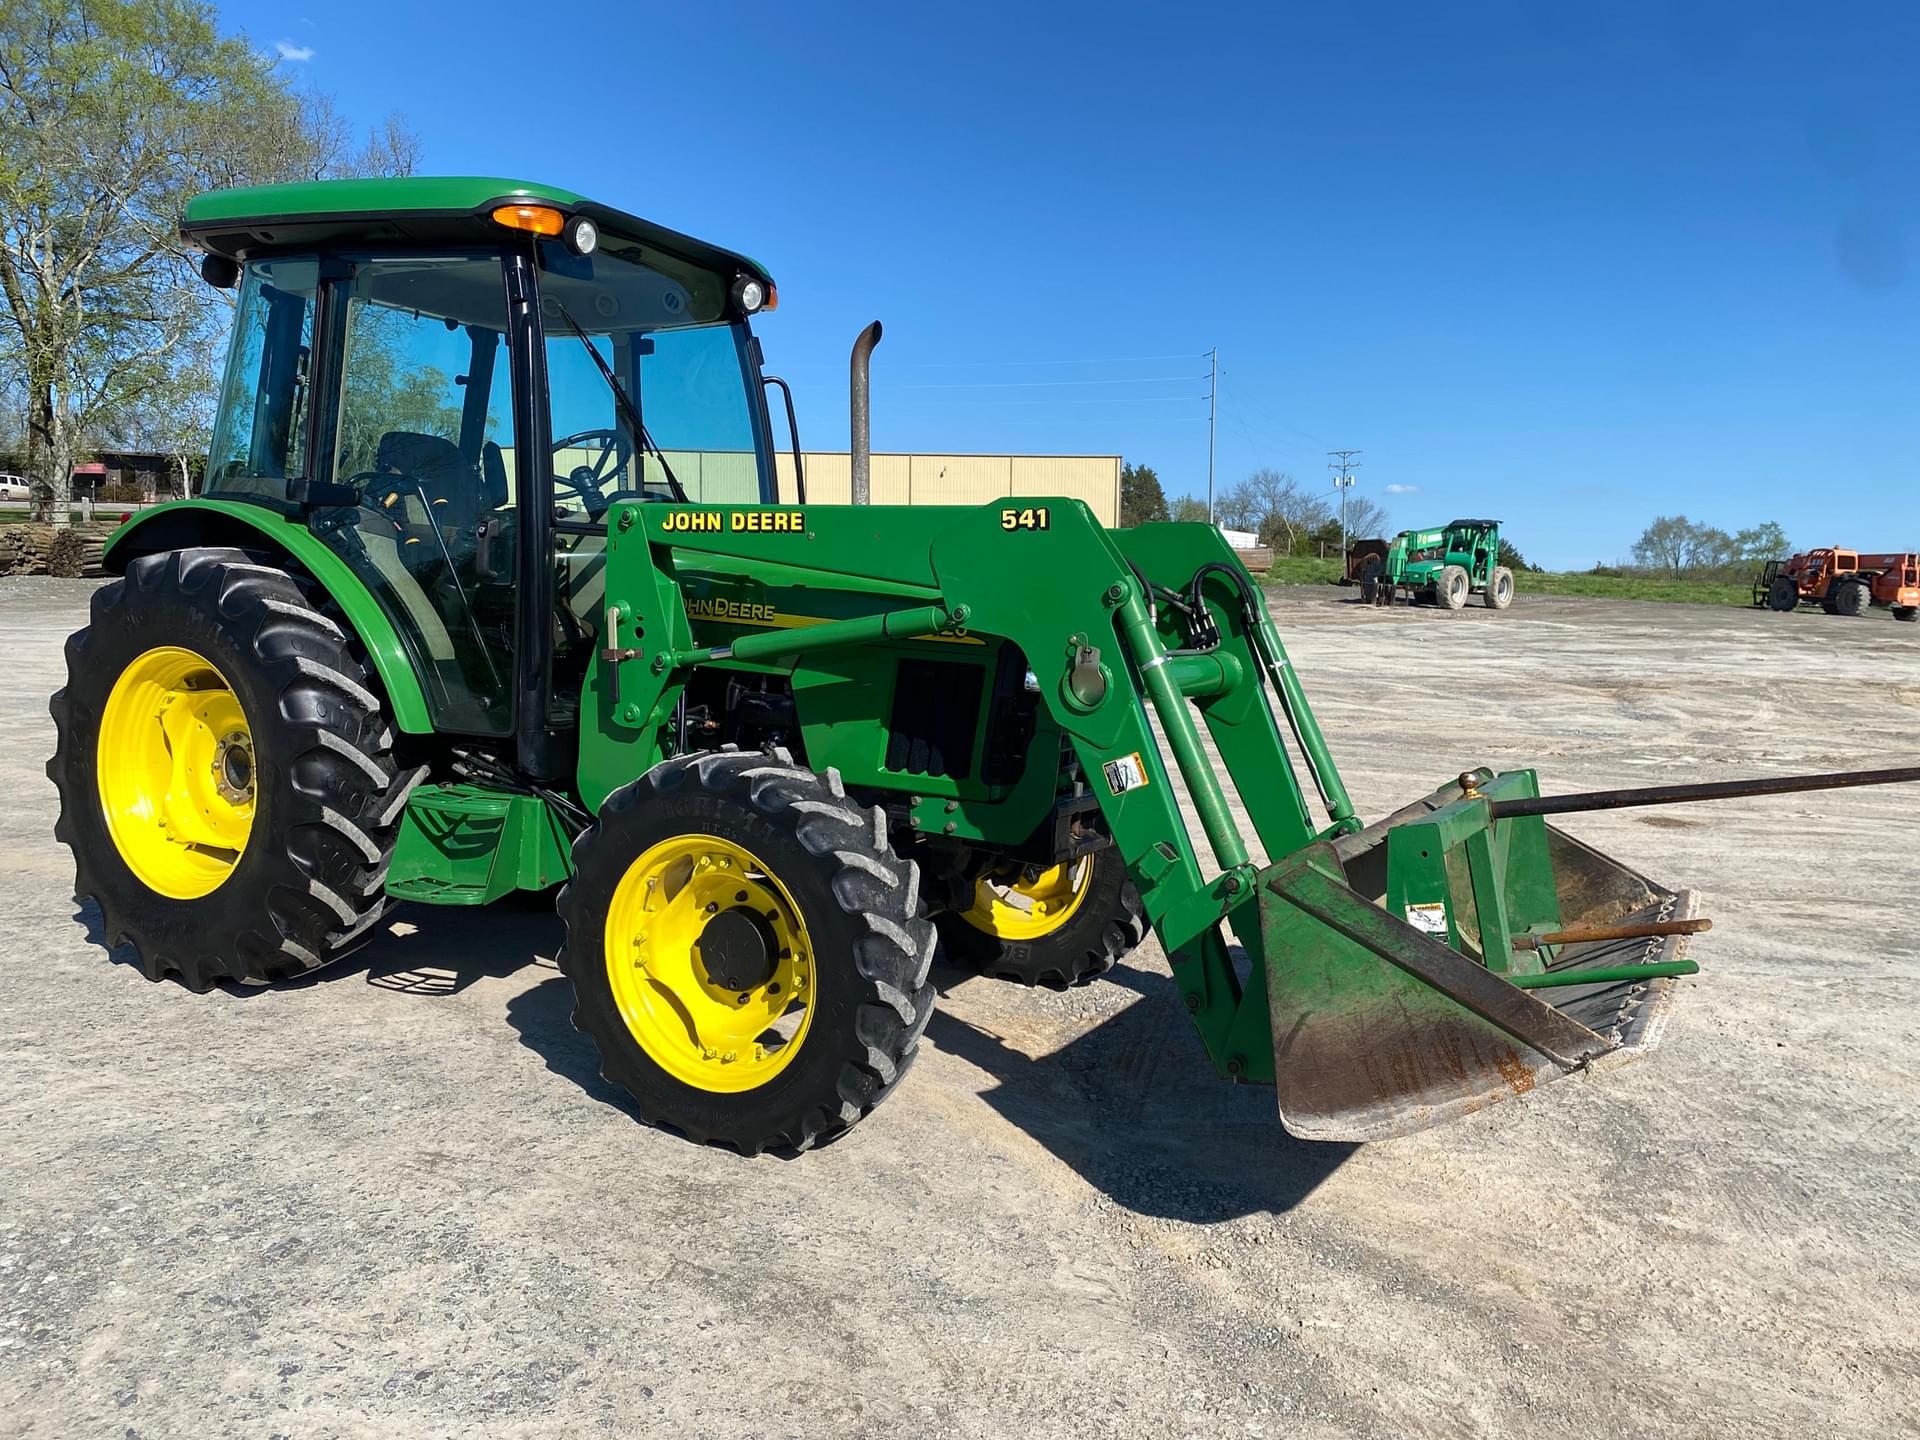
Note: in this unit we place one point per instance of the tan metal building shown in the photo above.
(730, 477)
(962, 479)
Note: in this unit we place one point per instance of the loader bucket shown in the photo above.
(1406, 977)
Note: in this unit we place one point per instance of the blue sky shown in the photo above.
(1574, 265)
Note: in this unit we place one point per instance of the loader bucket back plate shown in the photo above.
(1397, 1000)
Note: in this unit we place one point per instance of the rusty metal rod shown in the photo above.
(1582, 934)
(1683, 794)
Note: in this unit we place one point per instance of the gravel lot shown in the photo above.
(398, 1201)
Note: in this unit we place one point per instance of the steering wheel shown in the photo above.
(589, 482)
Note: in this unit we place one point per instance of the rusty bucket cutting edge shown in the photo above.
(1381, 1030)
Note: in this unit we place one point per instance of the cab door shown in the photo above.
(423, 436)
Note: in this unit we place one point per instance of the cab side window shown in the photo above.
(264, 412)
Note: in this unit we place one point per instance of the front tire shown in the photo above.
(1450, 587)
(226, 778)
(1783, 594)
(1098, 923)
(1906, 612)
(1499, 592)
(746, 951)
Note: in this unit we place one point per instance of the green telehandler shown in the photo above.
(491, 588)
(1443, 567)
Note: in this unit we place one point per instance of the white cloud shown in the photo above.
(1400, 489)
(290, 51)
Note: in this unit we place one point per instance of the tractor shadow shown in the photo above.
(1131, 1104)
(1134, 1107)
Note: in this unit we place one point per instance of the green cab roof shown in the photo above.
(424, 208)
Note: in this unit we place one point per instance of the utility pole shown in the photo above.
(1213, 397)
(1346, 465)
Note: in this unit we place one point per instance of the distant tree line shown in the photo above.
(1677, 548)
(1288, 519)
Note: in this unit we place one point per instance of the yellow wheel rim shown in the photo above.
(713, 1036)
(1030, 902)
(176, 772)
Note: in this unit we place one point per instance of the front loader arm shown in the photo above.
(1050, 579)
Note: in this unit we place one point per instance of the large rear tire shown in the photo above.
(1451, 586)
(1852, 597)
(1055, 926)
(746, 951)
(226, 777)
(1499, 592)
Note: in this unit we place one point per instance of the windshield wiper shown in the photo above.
(628, 411)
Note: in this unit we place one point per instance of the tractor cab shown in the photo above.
(452, 397)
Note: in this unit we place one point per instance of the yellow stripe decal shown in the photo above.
(765, 617)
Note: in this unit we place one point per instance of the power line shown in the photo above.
(1037, 384)
(1008, 364)
(1273, 418)
(1213, 407)
(1117, 400)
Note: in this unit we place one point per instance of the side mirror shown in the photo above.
(219, 272)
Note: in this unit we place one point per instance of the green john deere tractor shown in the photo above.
(491, 588)
(1442, 567)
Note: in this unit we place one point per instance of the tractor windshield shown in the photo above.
(685, 423)
(659, 327)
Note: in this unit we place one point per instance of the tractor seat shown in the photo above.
(452, 485)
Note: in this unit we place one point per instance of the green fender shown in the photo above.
(183, 523)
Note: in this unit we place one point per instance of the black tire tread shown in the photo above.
(338, 813)
(1077, 957)
(867, 880)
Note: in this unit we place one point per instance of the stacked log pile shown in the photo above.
(43, 550)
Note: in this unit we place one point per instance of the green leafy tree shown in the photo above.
(113, 113)
(1142, 501)
(1683, 549)
(1762, 542)
(1190, 510)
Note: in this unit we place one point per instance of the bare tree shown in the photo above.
(1366, 518)
(1271, 503)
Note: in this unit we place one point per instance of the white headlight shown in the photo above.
(752, 295)
(583, 236)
